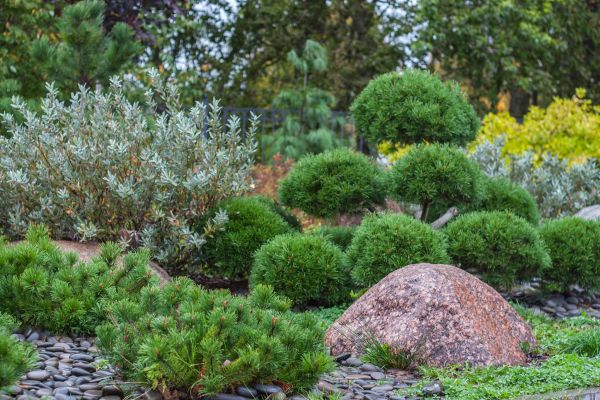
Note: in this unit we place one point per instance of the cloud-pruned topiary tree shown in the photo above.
(435, 173)
(413, 107)
(332, 183)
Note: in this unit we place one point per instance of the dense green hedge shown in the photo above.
(502, 247)
(332, 183)
(16, 358)
(44, 287)
(574, 246)
(308, 269)
(251, 223)
(413, 107)
(385, 242)
(214, 341)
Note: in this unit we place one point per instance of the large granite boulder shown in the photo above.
(444, 314)
(591, 213)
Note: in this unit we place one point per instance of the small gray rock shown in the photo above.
(377, 375)
(38, 375)
(152, 395)
(80, 372)
(268, 389)
(352, 362)
(370, 368)
(225, 396)
(433, 389)
(246, 391)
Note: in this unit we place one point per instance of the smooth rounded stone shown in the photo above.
(353, 362)
(82, 380)
(85, 344)
(327, 387)
(549, 310)
(377, 375)
(549, 303)
(370, 368)
(225, 396)
(103, 373)
(246, 391)
(65, 339)
(75, 391)
(111, 390)
(38, 375)
(267, 389)
(570, 307)
(596, 306)
(110, 398)
(298, 397)
(52, 370)
(43, 392)
(82, 357)
(342, 357)
(15, 390)
(89, 386)
(61, 390)
(86, 366)
(572, 300)
(92, 394)
(60, 378)
(80, 372)
(4, 397)
(26, 397)
(383, 388)
(62, 384)
(560, 309)
(153, 395)
(433, 389)
(33, 336)
(359, 376)
(45, 356)
(276, 396)
(31, 383)
(364, 383)
(52, 362)
(62, 396)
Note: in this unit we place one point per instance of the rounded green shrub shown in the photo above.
(308, 269)
(251, 223)
(435, 173)
(341, 236)
(574, 246)
(16, 357)
(385, 242)
(501, 194)
(332, 183)
(282, 211)
(499, 245)
(413, 107)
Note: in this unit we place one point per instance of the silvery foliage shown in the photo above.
(559, 189)
(100, 167)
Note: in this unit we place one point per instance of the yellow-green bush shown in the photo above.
(568, 128)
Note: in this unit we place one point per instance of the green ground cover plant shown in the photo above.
(308, 269)
(16, 358)
(214, 342)
(46, 288)
(385, 242)
(251, 222)
(332, 183)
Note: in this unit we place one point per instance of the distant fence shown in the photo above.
(272, 119)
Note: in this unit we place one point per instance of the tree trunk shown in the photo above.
(520, 100)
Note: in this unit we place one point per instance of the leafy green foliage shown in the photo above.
(341, 236)
(46, 288)
(336, 182)
(214, 341)
(384, 243)
(500, 194)
(435, 173)
(502, 247)
(414, 107)
(282, 211)
(85, 54)
(558, 189)
(16, 357)
(574, 246)
(308, 269)
(251, 222)
(104, 168)
(329, 314)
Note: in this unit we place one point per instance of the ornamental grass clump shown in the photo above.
(500, 246)
(101, 167)
(308, 269)
(46, 288)
(574, 246)
(251, 222)
(182, 338)
(332, 183)
(435, 173)
(16, 358)
(384, 243)
(414, 107)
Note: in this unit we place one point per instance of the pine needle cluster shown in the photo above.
(16, 357)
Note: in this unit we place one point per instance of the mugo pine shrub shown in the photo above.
(46, 288)
(251, 223)
(574, 246)
(414, 107)
(214, 341)
(101, 167)
(386, 242)
(332, 183)
(282, 211)
(435, 173)
(341, 236)
(16, 358)
(308, 269)
(500, 246)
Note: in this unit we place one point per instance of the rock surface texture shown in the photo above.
(591, 213)
(441, 312)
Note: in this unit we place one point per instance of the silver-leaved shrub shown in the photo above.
(101, 167)
(559, 189)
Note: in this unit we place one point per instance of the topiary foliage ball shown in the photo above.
(412, 107)
(308, 269)
(332, 183)
(501, 194)
(341, 236)
(385, 242)
(251, 223)
(500, 246)
(574, 246)
(435, 173)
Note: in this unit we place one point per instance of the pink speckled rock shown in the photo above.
(444, 313)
